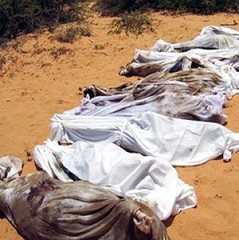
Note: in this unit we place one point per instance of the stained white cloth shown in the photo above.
(134, 152)
(134, 157)
(144, 178)
(10, 167)
(221, 62)
(206, 107)
(215, 49)
(180, 142)
(210, 37)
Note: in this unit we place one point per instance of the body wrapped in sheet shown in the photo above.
(43, 208)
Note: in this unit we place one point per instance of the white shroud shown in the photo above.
(134, 157)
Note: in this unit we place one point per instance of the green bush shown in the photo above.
(71, 34)
(135, 23)
(17, 16)
(115, 7)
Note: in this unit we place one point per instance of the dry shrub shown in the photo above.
(135, 23)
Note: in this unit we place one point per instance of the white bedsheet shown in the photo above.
(180, 142)
(135, 156)
(144, 178)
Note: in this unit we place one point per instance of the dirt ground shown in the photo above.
(40, 76)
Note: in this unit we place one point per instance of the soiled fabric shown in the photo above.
(212, 37)
(134, 156)
(215, 48)
(178, 141)
(10, 167)
(189, 80)
(128, 138)
(43, 208)
(144, 178)
(195, 94)
(224, 61)
(203, 108)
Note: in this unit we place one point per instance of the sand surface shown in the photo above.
(40, 76)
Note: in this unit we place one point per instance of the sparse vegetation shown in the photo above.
(57, 52)
(28, 153)
(84, 31)
(2, 61)
(132, 18)
(135, 23)
(72, 33)
(99, 47)
(24, 16)
(68, 36)
(115, 7)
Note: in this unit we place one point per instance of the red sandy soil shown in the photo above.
(40, 76)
